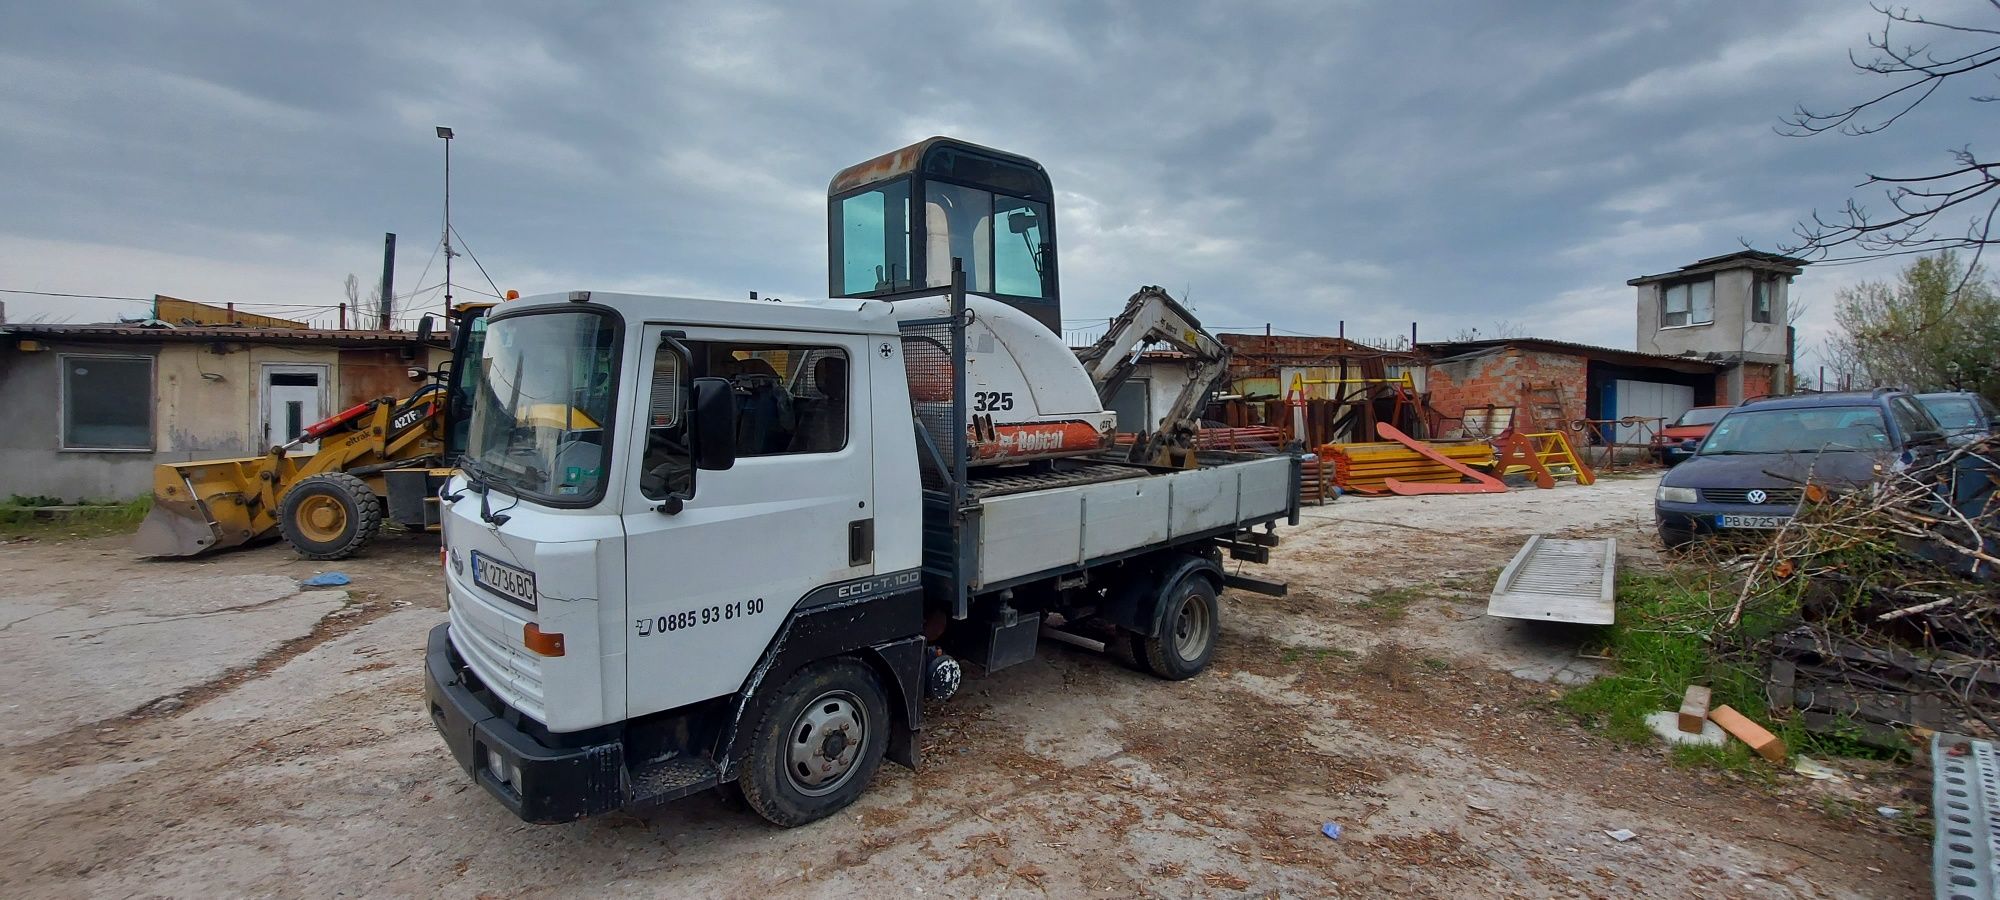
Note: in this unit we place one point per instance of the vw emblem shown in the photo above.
(1756, 496)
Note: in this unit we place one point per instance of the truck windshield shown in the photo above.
(1801, 430)
(542, 404)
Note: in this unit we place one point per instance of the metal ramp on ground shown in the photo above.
(1965, 798)
(1555, 580)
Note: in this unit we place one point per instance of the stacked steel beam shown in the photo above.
(1365, 467)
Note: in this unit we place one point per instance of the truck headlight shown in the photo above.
(1676, 495)
(504, 773)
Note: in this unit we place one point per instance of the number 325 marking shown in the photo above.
(992, 401)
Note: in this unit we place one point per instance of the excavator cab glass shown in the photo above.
(895, 223)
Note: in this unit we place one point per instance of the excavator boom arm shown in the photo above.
(1152, 316)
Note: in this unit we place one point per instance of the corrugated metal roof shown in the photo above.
(1447, 349)
(150, 334)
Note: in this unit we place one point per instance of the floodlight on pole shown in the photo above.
(445, 133)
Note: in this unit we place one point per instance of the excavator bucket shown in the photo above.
(199, 507)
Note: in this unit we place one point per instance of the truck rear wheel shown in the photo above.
(817, 743)
(330, 516)
(1190, 622)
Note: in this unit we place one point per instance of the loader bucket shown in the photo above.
(177, 528)
(199, 507)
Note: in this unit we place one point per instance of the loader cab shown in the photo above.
(462, 374)
(895, 222)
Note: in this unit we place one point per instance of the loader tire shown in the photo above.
(330, 516)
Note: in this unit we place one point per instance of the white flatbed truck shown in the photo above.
(704, 542)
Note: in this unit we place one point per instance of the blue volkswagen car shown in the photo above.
(1750, 472)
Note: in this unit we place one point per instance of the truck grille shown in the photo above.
(511, 673)
(1772, 496)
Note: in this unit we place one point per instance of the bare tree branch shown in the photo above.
(1923, 205)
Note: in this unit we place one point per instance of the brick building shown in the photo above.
(1547, 384)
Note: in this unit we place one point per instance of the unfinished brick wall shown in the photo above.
(1758, 380)
(1499, 378)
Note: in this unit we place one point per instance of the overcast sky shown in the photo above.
(1301, 164)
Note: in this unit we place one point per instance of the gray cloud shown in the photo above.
(1299, 164)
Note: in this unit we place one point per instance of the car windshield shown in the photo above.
(1702, 415)
(1955, 413)
(543, 403)
(1798, 430)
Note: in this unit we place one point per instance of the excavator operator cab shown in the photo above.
(895, 222)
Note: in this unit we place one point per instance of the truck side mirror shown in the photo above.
(714, 432)
(425, 327)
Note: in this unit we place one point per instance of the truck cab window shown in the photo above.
(790, 398)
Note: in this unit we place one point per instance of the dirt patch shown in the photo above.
(316, 772)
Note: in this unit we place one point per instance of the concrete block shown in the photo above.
(1694, 708)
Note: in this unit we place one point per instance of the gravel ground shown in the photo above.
(214, 754)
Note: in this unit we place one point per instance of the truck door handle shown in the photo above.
(860, 542)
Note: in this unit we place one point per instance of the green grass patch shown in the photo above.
(1669, 635)
(1389, 604)
(1295, 655)
(24, 517)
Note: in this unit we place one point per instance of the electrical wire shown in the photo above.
(475, 262)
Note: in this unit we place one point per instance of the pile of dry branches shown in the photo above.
(1887, 593)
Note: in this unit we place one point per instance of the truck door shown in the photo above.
(709, 583)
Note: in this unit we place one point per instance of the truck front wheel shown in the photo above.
(1190, 622)
(817, 744)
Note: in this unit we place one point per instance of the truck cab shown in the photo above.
(691, 483)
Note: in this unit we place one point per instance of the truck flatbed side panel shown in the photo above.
(1023, 533)
(1201, 499)
(1061, 528)
(1269, 486)
(1125, 518)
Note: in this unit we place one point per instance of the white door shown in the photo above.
(293, 401)
(708, 585)
(1649, 400)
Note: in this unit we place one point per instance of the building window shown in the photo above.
(1687, 303)
(107, 402)
(1760, 300)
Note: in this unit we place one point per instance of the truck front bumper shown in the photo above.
(538, 782)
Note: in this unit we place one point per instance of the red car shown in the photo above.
(1678, 441)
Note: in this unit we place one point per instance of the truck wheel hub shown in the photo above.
(826, 741)
(1191, 627)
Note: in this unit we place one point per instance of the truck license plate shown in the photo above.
(508, 581)
(1751, 521)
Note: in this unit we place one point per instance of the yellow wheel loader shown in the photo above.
(381, 460)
